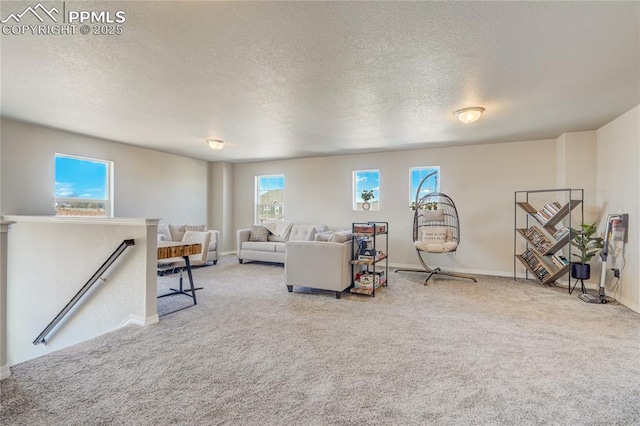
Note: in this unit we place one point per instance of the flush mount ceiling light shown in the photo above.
(469, 115)
(215, 143)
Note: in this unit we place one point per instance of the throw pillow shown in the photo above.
(433, 215)
(197, 228)
(323, 236)
(434, 235)
(177, 231)
(258, 233)
(340, 236)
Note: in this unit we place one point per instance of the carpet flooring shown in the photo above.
(496, 352)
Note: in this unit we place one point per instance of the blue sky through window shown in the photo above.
(80, 178)
(431, 185)
(269, 183)
(366, 180)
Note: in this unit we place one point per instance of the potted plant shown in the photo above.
(431, 206)
(366, 196)
(587, 246)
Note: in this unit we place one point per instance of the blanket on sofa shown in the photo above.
(279, 228)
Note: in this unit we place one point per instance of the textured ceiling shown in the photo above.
(301, 79)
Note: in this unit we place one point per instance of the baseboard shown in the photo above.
(5, 372)
(138, 320)
(226, 253)
(628, 303)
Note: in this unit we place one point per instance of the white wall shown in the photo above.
(481, 180)
(4, 363)
(618, 171)
(147, 183)
(575, 166)
(48, 262)
(220, 212)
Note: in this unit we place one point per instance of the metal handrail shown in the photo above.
(97, 275)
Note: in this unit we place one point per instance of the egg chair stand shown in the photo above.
(435, 271)
(436, 230)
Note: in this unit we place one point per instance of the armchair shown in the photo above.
(321, 265)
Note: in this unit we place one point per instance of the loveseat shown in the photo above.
(189, 233)
(268, 242)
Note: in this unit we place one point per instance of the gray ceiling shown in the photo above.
(301, 79)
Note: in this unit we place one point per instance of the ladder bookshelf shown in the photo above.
(545, 230)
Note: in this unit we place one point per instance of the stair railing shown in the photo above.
(96, 276)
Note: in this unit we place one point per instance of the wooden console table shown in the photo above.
(169, 249)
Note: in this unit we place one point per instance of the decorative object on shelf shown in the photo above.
(588, 247)
(436, 229)
(366, 196)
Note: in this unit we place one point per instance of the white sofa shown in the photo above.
(272, 247)
(319, 264)
(189, 233)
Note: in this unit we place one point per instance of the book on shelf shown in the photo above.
(537, 267)
(536, 237)
(547, 212)
(559, 260)
(561, 233)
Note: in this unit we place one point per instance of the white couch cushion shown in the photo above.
(259, 246)
(177, 231)
(301, 232)
(281, 247)
(163, 230)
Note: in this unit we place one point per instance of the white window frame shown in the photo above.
(279, 208)
(412, 190)
(108, 183)
(357, 199)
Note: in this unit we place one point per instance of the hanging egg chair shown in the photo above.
(436, 230)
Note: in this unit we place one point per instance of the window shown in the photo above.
(416, 174)
(269, 200)
(83, 186)
(369, 181)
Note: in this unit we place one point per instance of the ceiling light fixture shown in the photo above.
(215, 143)
(469, 115)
